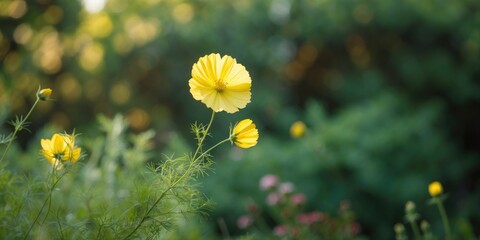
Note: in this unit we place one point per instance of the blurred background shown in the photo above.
(389, 92)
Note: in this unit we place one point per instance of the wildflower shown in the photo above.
(297, 129)
(220, 83)
(244, 222)
(44, 94)
(60, 148)
(273, 198)
(286, 187)
(245, 134)
(310, 218)
(268, 181)
(298, 199)
(280, 230)
(435, 189)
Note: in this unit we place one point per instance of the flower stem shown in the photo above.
(210, 149)
(415, 230)
(18, 127)
(443, 214)
(187, 172)
(200, 143)
(47, 199)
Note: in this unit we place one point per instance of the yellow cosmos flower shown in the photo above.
(60, 148)
(298, 129)
(220, 83)
(44, 94)
(245, 134)
(435, 189)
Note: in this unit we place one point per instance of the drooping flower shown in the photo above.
(298, 129)
(244, 134)
(61, 147)
(220, 83)
(44, 94)
(435, 189)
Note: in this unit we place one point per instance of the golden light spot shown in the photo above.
(12, 62)
(50, 61)
(138, 119)
(17, 9)
(70, 89)
(99, 25)
(49, 55)
(91, 57)
(53, 14)
(120, 93)
(22, 33)
(362, 14)
(183, 13)
(140, 31)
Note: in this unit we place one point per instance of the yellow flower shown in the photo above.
(44, 94)
(220, 83)
(435, 189)
(245, 134)
(60, 148)
(297, 129)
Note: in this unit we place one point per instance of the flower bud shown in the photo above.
(44, 94)
(435, 189)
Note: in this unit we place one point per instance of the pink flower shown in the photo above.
(298, 199)
(244, 222)
(286, 187)
(280, 230)
(273, 198)
(310, 218)
(268, 181)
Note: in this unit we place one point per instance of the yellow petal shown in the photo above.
(59, 144)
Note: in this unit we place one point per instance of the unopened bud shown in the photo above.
(44, 94)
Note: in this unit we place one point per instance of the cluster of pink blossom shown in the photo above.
(285, 206)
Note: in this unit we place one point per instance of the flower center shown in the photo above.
(220, 85)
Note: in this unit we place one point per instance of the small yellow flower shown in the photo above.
(245, 134)
(220, 83)
(435, 189)
(44, 94)
(60, 148)
(298, 129)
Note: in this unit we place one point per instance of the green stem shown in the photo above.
(443, 214)
(200, 143)
(17, 129)
(44, 202)
(174, 184)
(210, 149)
(416, 231)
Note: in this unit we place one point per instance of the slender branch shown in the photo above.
(443, 214)
(44, 202)
(187, 172)
(200, 143)
(18, 128)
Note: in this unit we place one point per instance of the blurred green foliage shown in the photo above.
(390, 90)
